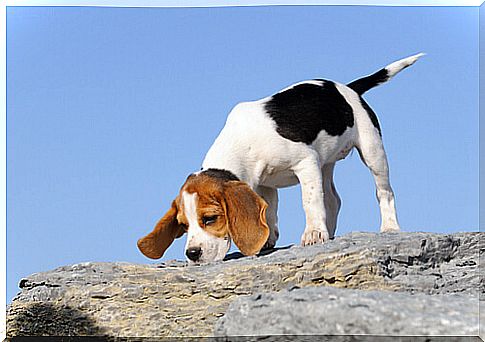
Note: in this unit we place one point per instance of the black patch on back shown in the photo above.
(372, 115)
(306, 109)
(224, 175)
(363, 84)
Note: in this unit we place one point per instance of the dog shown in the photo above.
(294, 136)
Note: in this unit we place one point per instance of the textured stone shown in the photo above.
(173, 299)
(334, 311)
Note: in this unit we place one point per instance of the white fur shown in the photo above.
(213, 248)
(394, 68)
(250, 147)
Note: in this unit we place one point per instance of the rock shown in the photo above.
(333, 311)
(173, 299)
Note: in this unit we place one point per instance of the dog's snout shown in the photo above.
(193, 253)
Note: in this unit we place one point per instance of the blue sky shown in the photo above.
(109, 110)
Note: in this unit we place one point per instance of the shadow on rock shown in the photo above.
(239, 255)
(46, 319)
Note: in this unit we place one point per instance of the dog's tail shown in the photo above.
(363, 84)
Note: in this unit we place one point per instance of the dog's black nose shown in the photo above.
(193, 253)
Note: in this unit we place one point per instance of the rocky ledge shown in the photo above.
(359, 283)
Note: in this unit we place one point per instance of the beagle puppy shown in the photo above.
(295, 136)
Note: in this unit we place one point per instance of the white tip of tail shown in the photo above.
(394, 68)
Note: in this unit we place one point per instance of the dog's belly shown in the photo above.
(280, 179)
(334, 148)
(330, 150)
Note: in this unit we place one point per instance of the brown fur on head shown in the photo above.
(211, 210)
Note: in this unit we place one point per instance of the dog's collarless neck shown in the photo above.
(221, 174)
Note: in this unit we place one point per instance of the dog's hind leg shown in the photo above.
(270, 195)
(331, 198)
(372, 153)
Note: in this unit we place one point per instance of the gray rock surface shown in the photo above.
(173, 299)
(334, 311)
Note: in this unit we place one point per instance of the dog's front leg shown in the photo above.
(308, 171)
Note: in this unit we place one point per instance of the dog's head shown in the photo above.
(212, 209)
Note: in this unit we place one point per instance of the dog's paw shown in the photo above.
(268, 245)
(273, 237)
(314, 236)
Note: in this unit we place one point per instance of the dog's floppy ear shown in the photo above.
(246, 217)
(166, 230)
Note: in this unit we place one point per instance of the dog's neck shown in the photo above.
(222, 174)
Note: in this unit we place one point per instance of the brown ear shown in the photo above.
(166, 230)
(246, 217)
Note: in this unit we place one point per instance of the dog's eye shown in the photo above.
(208, 220)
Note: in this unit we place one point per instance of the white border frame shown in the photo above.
(229, 3)
(135, 3)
